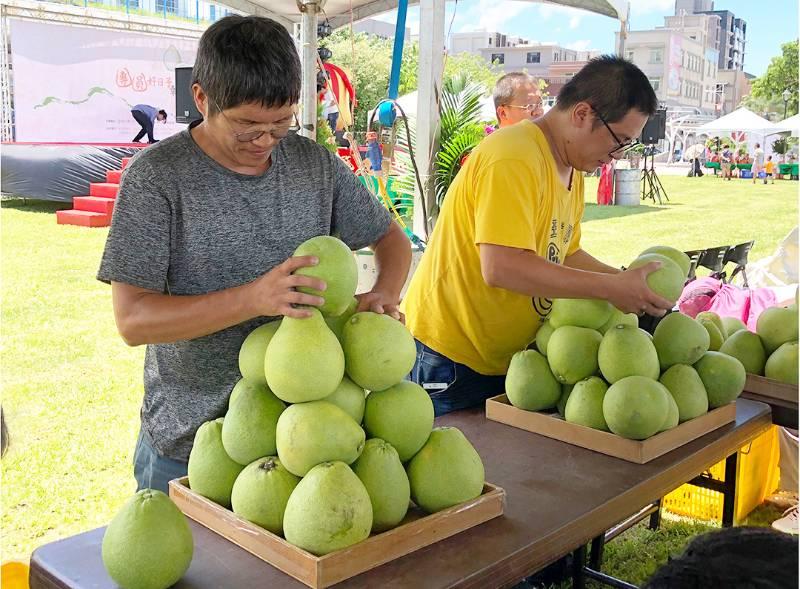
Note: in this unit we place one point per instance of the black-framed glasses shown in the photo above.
(622, 148)
(278, 131)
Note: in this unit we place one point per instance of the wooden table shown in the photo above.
(559, 497)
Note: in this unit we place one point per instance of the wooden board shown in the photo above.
(767, 387)
(553, 426)
(417, 531)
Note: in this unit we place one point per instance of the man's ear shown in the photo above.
(582, 115)
(200, 100)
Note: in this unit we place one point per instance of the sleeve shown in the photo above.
(359, 219)
(580, 206)
(507, 194)
(137, 250)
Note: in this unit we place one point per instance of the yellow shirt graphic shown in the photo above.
(508, 193)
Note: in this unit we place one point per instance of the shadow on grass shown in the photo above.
(28, 205)
(596, 212)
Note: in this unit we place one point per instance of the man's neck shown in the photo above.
(550, 124)
(210, 147)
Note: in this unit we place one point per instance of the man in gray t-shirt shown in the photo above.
(204, 227)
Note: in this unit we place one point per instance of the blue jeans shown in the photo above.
(153, 471)
(452, 386)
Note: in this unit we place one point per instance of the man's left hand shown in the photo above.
(380, 302)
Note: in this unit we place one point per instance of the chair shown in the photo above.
(738, 255)
(714, 259)
(694, 257)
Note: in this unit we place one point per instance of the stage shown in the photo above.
(59, 171)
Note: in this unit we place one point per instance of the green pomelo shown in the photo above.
(401, 415)
(776, 326)
(329, 510)
(590, 313)
(304, 360)
(635, 407)
(687, 389)
(626, 351)
(543, 336)
(379, 351)
(619, 318)
(350, 397)
(716, 319)
(311, 433)
(248, 432)
(572, 353)
(530, 384)
(679, 339)
(715, 339)
(261, 492)
(336, 324)
(723, 377)
(566, 390)
(673, 413)
(585, 403)
(677, 256)
(667, 281)
(732, 325)
(647, 333)
(386, 481)
(782, 364)
(337, 267)
(746, 347)
(254, 351)
(446, 471)
(148, 544)
(211, 471)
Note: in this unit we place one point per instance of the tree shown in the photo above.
(476, 70)
(782, 74)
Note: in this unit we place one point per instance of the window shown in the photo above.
(166, 6)
(534, 57)
(556, 56)
(655, 83)
(656, 56)
(498, 58)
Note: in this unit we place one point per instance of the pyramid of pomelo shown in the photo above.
(626, 351)
(572, 353)
(337, 267)
(635, 407)
(686, 387)
(677, 256)
(782, 364)
(746, 347)
(776, 326)
(679, 339)
(667, 281)
(530, 384)
(591, 313)
(723, 377)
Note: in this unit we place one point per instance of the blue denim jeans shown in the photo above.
(452, 386)
(153, 471)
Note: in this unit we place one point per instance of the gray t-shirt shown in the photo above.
(185, 225)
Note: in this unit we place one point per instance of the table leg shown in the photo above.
(578, 564)
(655, 517)
(729, 494)
(596, 552)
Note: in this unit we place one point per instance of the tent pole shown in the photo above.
(308, 93)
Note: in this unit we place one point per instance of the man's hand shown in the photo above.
(630, 293)
(274, 292)
(379, 302)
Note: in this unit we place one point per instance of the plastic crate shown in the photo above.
(757, 475)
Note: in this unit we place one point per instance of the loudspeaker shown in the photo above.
(655, 128)
(185, 110)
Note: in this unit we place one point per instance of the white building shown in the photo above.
(378, 28)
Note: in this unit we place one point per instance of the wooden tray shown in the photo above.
(553, 425)
(773, 389)
(417, 531)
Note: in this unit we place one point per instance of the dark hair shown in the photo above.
(163, 113)
(734, 558)
(612, 86)
(247, 59)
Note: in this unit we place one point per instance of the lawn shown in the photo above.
(71, 390)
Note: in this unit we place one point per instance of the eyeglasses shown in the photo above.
(622, 148)
(531, 108)
(278, 131)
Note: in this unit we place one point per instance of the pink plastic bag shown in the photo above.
(726, 300)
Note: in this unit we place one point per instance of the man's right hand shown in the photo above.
(630, 293)
(274, 292)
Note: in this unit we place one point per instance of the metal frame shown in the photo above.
(6, 125)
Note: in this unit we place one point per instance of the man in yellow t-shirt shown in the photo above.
(507, 240)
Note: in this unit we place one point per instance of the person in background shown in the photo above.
(146, 115)
(726, 163)
(758, 163)
(374, 153)
(517, 98)
(771, 169)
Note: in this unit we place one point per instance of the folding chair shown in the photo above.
(714, 259)
(738, 255)
(694, 257)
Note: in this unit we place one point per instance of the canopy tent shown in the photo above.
(740, 120)
(790, 125)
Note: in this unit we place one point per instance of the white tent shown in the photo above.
(742, 120)
(792, 124)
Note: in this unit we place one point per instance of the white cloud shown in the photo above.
(582, 45)
(651, 6)
(493, 15)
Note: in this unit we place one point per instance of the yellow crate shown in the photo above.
(757, 475)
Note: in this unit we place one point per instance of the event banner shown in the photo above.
(78, 84)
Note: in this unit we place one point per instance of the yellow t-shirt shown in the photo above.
(508, 193)
(770, 167)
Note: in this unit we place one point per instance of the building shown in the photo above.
(733, 34)
(378, 28)
(732, 86)
(693, 6)
(547, 61)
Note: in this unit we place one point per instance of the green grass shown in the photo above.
(71, 390)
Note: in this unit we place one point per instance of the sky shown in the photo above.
(767, 28)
